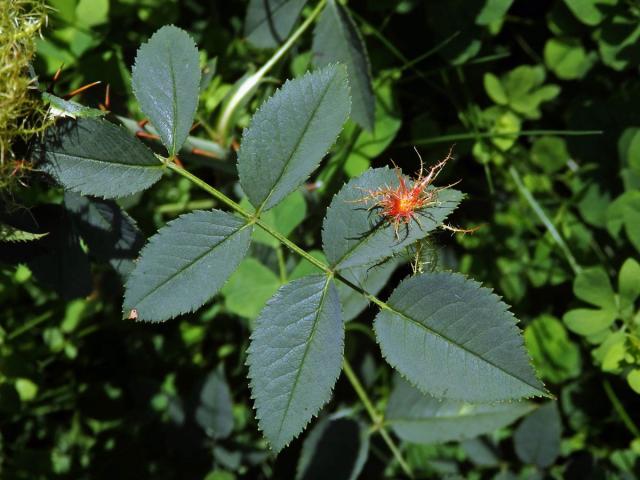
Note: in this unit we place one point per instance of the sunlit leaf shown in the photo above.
(166, 82)
(295, 356)
(290, 134)
(354, 234)
(249, 288)
(185, 264)
(554, 355)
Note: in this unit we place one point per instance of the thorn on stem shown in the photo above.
(81, 89)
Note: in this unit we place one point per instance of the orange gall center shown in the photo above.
(402, 205)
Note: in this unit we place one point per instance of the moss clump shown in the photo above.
(21, 111)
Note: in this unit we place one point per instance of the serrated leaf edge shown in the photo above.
(260, 208)
(172, 149)
(78, 189)
(153, 240)
(331, 390)
(543, 391)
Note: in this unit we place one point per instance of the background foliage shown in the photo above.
(541, 100)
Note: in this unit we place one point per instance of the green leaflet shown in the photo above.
(13, 234)
(419, 418)
(623, 212)
(567, 58)
(453, 339)
(290, 134)
(593, 285)
(353, 235)
(537, 438)
(214, 413)
(66, 108)
(295, 356)
(590, 12)
(335, 448)
(336, 39)
(166, 82)
(185, 264)
(493, 11)
(269, 22)
(95, 157)
(522, 89)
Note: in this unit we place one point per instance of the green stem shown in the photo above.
(619, 408)
(376, 418)
(281, 265)
(182, 206)
(251, 82)
(29, 325)
(535, 206)
(456, 137)
(274, 233)
(209, 189)
(487, 174)
(249, 216)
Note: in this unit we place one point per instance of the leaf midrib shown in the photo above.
(298, 142)
(266, 17)
(174, 100)
(325, 289)
(102, 162)
(455, 344)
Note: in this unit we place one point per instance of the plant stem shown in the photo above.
(252, 81)
(182, 206)
(29, 325)
(209, 189)
(376, 418)
(456, 137)
(214, 149)
(535, 206)
(619, 408)
(282, 268)
(249, 216)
